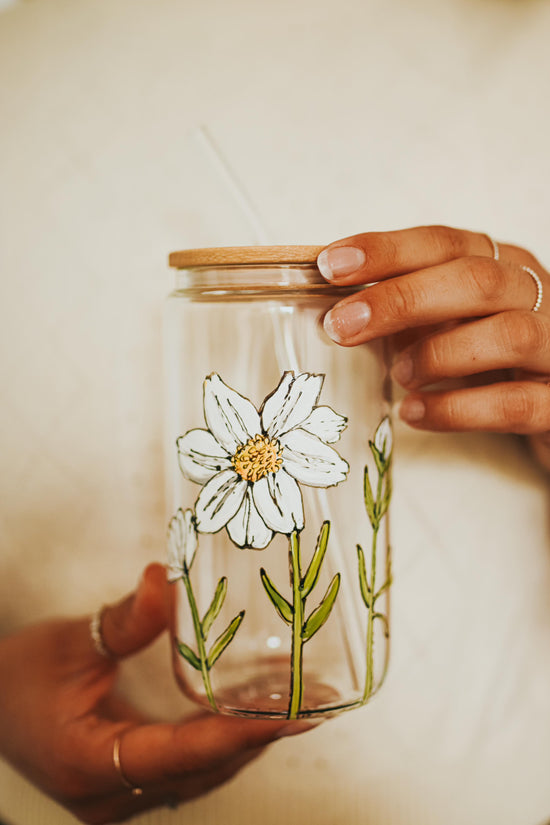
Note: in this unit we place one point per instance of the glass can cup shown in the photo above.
(279, 446)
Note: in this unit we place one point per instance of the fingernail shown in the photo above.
(294, 728)
(340, 261)
(346, 320)
(412, 409)
(403, 370)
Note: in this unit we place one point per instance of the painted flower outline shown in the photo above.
(251, 462)
(383, 438)
(182, 544)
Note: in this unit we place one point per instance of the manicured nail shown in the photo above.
(347, 320)
(412, 410)
(340, 261)
(294, 728)
(403, 370)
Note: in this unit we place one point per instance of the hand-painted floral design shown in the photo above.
(182, 544)
(377, 501)
(383, 439)
(252, 462)
(182, 547)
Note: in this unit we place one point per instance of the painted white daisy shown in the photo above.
(182, 544)
(250, 461)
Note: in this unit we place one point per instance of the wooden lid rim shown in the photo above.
(244, 255)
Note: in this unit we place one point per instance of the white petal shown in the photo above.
(190, 538)
(219, 500)
(311, 461)
(247, 528)
(279, 501)
(200, 456)
(383, 437)
(182, 544)
(325, 424)
(231, 418)
(291, 403)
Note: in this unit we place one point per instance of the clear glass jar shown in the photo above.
(279, 448)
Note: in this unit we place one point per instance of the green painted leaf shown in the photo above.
(189, 655)
(385, 503)
(386, 586)
(319, 616)
(384, 620)
(363, 579)
(215, 607)
(312, 574)
(284, 609)
(223, 640)
(370, 504)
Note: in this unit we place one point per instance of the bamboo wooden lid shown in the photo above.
(244, 255)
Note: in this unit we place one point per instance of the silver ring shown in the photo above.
(96, 635)
(116, 762)
(496, 250)
(538, 282)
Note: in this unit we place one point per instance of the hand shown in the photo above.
(456, 313)
(60, 716)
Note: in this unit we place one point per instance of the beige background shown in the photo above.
(335, 118)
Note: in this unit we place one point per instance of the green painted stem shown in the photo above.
(296, 678)
(370, 626)
(200, 643)
(369, 679)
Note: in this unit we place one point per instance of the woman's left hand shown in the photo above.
(457, 313)
(61, 717)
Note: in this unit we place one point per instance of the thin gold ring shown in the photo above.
(116, 761)
(538, 282)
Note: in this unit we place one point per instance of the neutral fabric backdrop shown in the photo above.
(129, 128)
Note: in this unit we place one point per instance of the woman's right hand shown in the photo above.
(457, 314)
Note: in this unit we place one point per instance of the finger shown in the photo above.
(373, 256)
(503, 341)
(117, 807)
(139, 618)
(521, 407)
(158, 753)
(465, 288)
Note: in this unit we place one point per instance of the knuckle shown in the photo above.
(401, 301)
(520, 411)
(381, 249)
(448, 240)
(432, 358)
(524, 334)
(451, 411)
(486, 278)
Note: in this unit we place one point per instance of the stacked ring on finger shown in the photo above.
(538, 282)
(449, 281)
(96, 635)
(496, 250)
(473, 313)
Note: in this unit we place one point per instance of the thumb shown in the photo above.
(139, 618)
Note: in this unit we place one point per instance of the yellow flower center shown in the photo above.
(258, 457)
